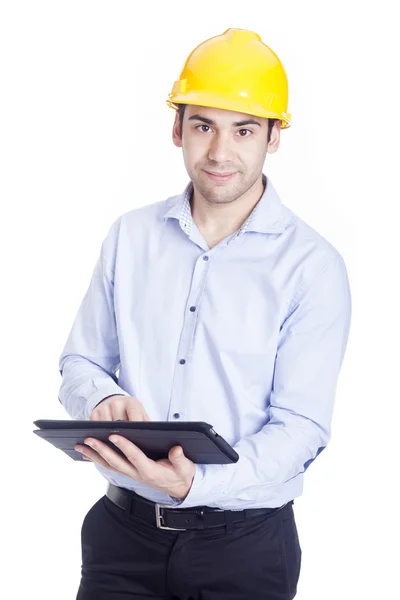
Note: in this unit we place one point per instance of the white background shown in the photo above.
(85, 135)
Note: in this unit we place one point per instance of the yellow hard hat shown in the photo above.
(234, 71)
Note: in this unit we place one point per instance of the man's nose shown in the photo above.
(220, 150)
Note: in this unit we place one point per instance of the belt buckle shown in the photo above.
(158, 508)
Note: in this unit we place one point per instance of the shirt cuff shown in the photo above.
(208, 486)
(100, 394)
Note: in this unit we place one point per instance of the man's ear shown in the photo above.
(275, 137)
(176, 135)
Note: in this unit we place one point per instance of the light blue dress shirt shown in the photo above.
(249, 336)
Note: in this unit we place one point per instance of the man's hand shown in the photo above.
(173, 476)
(125, 408)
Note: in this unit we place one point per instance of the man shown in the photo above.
(216, 305)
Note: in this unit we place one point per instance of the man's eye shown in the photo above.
(203, 126)
(206, 128)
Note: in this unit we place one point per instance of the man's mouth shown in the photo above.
(215, 176)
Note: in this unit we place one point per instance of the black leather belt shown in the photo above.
(180, 519)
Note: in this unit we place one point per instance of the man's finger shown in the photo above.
(143, 464)
(133, 414)
(101, 414)
(93, 456)
(107, 457)
(118, 413)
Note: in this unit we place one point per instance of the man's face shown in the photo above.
(221, 141)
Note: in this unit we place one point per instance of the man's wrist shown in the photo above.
(111, 396)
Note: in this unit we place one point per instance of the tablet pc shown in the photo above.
(199, 441)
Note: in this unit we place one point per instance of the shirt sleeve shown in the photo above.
(309, 356)
(90, 358)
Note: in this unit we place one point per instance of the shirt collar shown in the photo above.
(268, 216)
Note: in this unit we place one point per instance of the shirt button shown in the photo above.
(176, 416)
(182, 361)
(205, 257)
(192, 308)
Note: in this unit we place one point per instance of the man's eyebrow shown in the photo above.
(235, 124)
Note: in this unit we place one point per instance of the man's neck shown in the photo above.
(219, 219)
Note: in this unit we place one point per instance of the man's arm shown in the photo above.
(91, 355)
(310, 352)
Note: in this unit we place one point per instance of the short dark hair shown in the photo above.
(181, 109)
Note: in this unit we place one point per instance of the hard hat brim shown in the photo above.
(217, 101)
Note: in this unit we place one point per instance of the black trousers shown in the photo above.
(128, 557)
